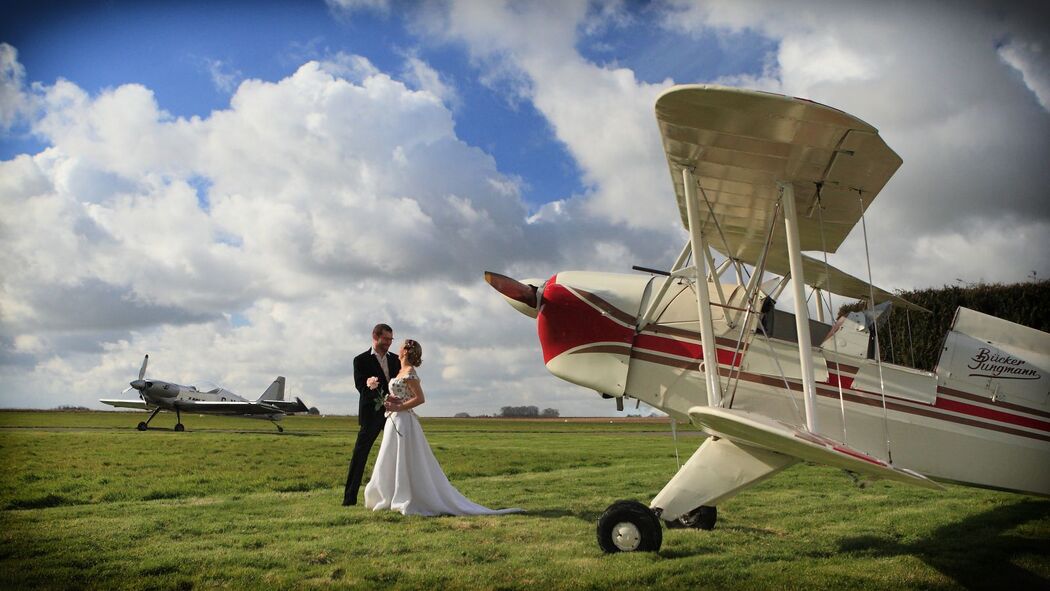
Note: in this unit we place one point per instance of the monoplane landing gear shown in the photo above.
(629, 526)
(178, 421)
(145, 424)
(280, 429)
(703, 517)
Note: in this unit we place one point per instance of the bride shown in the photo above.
(407, 476)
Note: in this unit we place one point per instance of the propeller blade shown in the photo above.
(142, 370)
(512, 288)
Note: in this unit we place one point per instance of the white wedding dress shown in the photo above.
(407, 476)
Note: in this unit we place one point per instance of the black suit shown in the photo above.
(371, 420)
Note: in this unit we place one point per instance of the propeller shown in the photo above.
(513, 288)
(140, 384)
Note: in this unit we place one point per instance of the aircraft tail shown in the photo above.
(997, 358)
(275, 391)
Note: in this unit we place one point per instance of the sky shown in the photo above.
(243, 189)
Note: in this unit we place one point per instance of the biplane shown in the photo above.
(759, 178)
(158, 395)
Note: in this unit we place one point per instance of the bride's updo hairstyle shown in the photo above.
(413, 353)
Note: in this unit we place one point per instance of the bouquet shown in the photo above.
(373, 383)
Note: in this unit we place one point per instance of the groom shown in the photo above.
(372, 372)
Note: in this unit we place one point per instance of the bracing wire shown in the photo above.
(875, 329)
(752, 296)
(893, 351)
(783, 376)
(674, 435)
(911, 341)
(834, 341)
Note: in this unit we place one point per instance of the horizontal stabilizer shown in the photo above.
(125, 403)
(749, 428)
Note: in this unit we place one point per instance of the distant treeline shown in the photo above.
(527, 412)
(1024, 303)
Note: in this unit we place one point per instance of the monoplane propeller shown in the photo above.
(140, 384)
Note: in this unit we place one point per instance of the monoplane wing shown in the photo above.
(227, 407)
(741, 143)
(751, 429)
(234, 407)
(139, 404)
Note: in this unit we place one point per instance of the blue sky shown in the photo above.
(242, 189)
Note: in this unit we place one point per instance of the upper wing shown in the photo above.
(755, 430)
(740, 143)
(125, 403)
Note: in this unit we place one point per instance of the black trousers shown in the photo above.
(366, 438)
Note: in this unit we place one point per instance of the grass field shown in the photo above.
(86, 501)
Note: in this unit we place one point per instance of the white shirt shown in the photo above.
(382, 363)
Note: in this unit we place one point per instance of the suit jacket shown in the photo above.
(366, 366)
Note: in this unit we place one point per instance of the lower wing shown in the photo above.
(756, 430)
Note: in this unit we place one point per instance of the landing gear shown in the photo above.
(180, 427)
(178, 421)
(629, 526)
(702, 517)
(145, 424)
(280, 429)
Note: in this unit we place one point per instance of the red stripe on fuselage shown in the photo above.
(565, 322)
(682, 349)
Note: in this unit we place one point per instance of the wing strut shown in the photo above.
(703, 298)
(805, 347)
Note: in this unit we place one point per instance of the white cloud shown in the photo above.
(223, 75)
(1031, 59)
(12, 82)
(313, 207)
(347, 8)
(426, 78)
(602, 115)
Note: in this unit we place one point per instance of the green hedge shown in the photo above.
(1023, 303)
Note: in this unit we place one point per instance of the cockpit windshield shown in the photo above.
(208, 387)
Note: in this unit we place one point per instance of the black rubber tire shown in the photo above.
(142, 426)
(180, 427)
(637, 514)
(703, 517)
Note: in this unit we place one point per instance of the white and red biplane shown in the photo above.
(759, 178)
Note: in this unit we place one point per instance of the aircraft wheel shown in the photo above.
(629, 526)
(702, 517)
(180, 427)
(142, 426)
(280, 429)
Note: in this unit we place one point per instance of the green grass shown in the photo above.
(86, 501)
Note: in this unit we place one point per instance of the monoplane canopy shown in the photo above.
(741, 143)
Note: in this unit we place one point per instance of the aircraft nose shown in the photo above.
(140, 384)
(522, 297)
